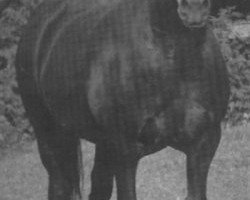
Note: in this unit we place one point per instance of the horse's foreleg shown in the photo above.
(199, 158)
(102, 174)
(125, 178)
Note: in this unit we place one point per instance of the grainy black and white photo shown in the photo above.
(124, 99)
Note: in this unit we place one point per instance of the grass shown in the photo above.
(160, 176)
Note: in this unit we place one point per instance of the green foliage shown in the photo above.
(14, 126)
(235, 45)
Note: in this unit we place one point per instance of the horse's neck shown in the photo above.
(167, 27)
(188, 54)
(191, 39)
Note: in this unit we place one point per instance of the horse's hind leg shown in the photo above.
(59, 156)
(103, 173)
(199, 158)
(58, 151)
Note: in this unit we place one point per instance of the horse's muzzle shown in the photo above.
(194, 24)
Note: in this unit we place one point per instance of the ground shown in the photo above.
(160, 176)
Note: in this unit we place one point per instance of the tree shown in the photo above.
(240, 5)
(6, 3)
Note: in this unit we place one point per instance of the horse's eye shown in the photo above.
(183, 14)
(184, 3)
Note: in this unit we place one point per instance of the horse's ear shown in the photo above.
(207, 3)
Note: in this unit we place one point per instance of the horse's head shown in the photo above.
(194, 13)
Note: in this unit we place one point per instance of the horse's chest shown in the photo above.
(192, 109)
(136, 91)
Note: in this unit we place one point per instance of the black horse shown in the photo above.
(133, 77)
